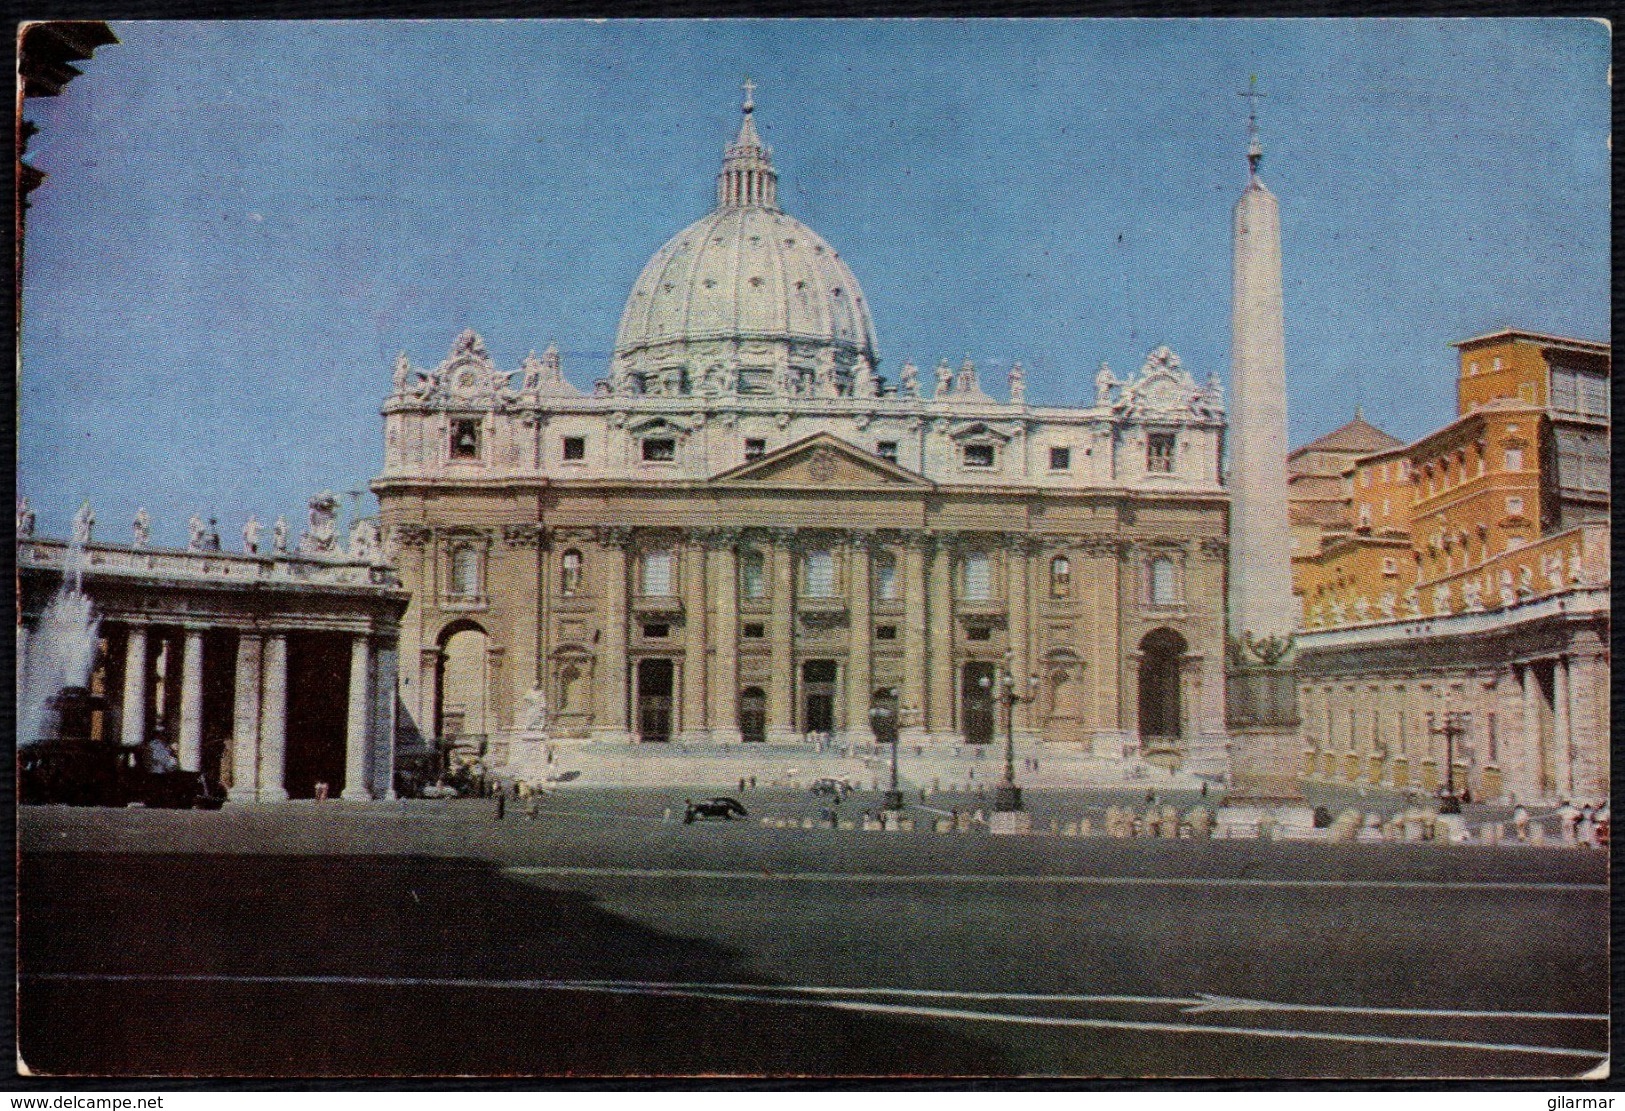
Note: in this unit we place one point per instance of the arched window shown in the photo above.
(657, 574)
(885, 577)
(978, 571)
(1164, 585)
(465, 572)
(1060, 577)
(570, 573)
(819, 574)
(752, 574)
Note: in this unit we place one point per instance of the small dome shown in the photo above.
(748, 287)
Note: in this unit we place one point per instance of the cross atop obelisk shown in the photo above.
(1255, 148)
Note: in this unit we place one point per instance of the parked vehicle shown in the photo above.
(721, 807)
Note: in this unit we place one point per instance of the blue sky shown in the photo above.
(244, 222)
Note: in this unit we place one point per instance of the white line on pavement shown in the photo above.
(762, 993)
(890, 878)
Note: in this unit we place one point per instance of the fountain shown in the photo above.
(52, 701)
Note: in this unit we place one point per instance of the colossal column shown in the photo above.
(356, 726)
(723, 673)
(1016, 603)
(781, 725)
(1262, 691)
(940, 708)
(694, 641)
(911, 708)
(274, 718)
(859, 656)
(134, 728)
(609, 720)
(191, 732)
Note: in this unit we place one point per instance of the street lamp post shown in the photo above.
(1455, 725)
(1007, 797)
(879, 717)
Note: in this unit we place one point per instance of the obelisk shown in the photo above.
(1260, 690)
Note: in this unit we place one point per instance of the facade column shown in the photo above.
(134, 712)
(1562, 738)
(939, 718)
(356, 730)
(190, 747)
(781, 723)
(859, 649)
(1016, 632)
(1534, 758)
(245, 730)
(609, 720)
(911, 703)
(694, 642)
(274, 718)
(722, 674)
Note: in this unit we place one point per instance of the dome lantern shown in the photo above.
(747, 179)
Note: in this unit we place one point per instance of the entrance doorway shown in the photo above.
(818, 696)
(976, 702)
(1161, 654)
(654, 700)
(753, 715)
(318, 713)
(883, 715)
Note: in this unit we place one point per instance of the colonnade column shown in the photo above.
(609, 718)
(694, 641)
(1588, 716)
(939, 717)
(911, 706)
(781, 726)
(356, 725)
(245, 727)
(722, 672)
(860, 652)
(133, 731)
(1534, 757)
(191, 732)
(1562, 738)
(273, 718)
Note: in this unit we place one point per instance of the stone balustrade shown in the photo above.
(204, 566)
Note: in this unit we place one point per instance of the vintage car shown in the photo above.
(719, 807)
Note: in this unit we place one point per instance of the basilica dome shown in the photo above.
(746, 299)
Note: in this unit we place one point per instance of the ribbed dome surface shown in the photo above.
(746, 273)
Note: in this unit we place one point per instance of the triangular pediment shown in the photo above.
(823, 461)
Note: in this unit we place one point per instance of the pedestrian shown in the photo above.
(1520, 821)
(1583, 826)
(741, 784)
(1568, 816)
(321, 791)
(502, 804)
(1204, 788)
(753, 783)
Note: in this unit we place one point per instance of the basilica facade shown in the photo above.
(744, 531)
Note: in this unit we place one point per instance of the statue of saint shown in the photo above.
(364, 541)
(25, 520)
(321, 532)
(211, 541)
(251, 536)
(533, 714)
(945, 379)
(142, 528)
(279, 535)
(403, 371)
(910, 380)
(1018, 385)
(863, 378)
(195, 534)
(1104, 381)
(84, 524)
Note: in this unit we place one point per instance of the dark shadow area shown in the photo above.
(318, 710)
(399, 917)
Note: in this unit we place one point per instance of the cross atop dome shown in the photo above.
(750, 95)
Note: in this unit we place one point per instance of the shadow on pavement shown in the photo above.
(399, 917)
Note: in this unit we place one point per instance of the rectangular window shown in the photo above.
(575, 448)
(1060, 458)
(887, 450)
(1514, 459)
(465, 439)
(1159, 452)
(657, 574)
(819, 568)
(978, 577)
(1164, 586)
(655, 630)
(979, 455)
(752, 574)
(979, 632)
(755, 630)
(755, 449)
(660, 450)
(1514, 507)
(885, 632)
(885, 578)
(1389, 565)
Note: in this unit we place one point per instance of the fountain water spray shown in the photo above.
(61, 651)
